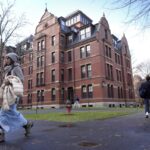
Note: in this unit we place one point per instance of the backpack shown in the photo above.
(143, 92)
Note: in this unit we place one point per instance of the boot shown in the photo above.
(2, 135)
(28, 127)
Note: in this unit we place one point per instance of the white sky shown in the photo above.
(138, 41)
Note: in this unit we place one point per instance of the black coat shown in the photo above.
(146, 85)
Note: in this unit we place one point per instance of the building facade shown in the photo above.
(69, 57)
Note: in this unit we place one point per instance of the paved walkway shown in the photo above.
(122, 133)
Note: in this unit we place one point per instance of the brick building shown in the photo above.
(70, 56)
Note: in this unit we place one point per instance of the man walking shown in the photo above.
(144, 92)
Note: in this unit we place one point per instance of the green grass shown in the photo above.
(77, 116)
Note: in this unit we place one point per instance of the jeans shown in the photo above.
(146, 102)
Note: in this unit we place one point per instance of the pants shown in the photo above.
(146, 102)
(12, 119)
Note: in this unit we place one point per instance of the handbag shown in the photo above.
(1, 91)
(17, 85)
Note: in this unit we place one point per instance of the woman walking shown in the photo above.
(11, 119)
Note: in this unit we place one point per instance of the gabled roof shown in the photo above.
(46, 15)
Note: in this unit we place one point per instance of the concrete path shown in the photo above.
(122, 133)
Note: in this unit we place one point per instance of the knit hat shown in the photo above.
(13, 56)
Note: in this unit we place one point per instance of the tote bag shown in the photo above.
(17, 85)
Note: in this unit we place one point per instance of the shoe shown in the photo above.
(2, 135)
(28, 128)
(147, 115)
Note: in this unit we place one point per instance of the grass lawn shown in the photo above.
(80, 116)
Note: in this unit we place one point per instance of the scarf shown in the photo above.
(7, 69)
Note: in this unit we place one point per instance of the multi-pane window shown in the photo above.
(39, 46)
(43, 44)
(40, 61)
(84, 91)
(85, 33)
(53, 57)
(87, 91)
(86, 71)
(69, 56)
(62, 94)
(62, 57)
(53, 40)
(107, 51)
(119, 76)
(110, 91)
(83, 71)
(29, 84)
(62, 40)
(30, 70)
(88, 50)
(89, 71)
(53, 94)
(109, 72)
(40, 79)
(120, 92)
(90, 91)
(70, 74)
(119, 95)
(53, 75)
(62, 74)
(40, 95)
(82, 52)
(85, 51)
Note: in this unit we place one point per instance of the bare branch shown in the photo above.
(139, 9)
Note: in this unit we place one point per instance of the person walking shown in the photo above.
(76, 103)
(144, 92)
(11, 120)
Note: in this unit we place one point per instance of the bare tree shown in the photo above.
(143, 69)
(138, 9)
(8, 27)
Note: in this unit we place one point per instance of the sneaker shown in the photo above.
(147, 115)
(2, 135)
(28, 128)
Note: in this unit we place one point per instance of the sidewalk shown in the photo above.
(122, 133)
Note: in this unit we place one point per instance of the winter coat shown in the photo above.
(146, 85)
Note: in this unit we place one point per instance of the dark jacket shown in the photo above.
(146, 85)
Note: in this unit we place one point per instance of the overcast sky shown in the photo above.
(139, 41)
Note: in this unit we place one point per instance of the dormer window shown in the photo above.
(70, 39)
(85, 33)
